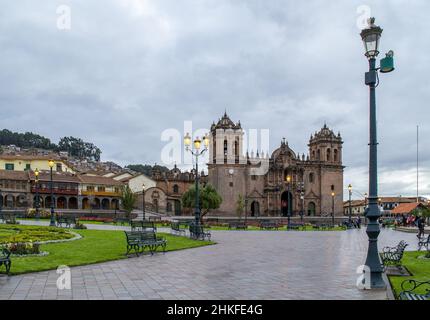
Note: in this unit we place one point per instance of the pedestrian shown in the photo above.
(421, 225)
(359, 222)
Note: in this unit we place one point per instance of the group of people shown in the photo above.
(411, 220)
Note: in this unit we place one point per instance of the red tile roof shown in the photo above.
(98, 180)
(14, 175)
(405, 208)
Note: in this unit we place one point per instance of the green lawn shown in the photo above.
(418, 268)
(95, 246)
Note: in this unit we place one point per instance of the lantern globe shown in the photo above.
(371, 37)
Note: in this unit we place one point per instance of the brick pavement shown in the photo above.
(243, 265)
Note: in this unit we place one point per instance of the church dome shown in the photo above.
(226, 123)
(325, 134)
(284, 151)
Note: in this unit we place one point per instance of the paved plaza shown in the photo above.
(243, 265)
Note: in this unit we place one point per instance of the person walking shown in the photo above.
(359, 222)
(421, 225)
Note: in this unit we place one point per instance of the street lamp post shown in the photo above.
(332, 208)
(246, 210)
(195, 151)
(52, 223)
(288, 203)
(143, 202)
(302, 197)
(371, 37)
(1, 204)
(36, 182)
(350, 206)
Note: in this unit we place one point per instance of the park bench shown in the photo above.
(67, 221)
(392, 256)
(8, 218)
(424, 243)
(268, 225)
(154, 219)
(411, 293)
(199, 233)
(297, 226)
(237, 225)
(140, 240)
(121, 221)
(142, 225)
(176, 228)
(5, 259)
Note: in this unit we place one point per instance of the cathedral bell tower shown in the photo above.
(227, 164)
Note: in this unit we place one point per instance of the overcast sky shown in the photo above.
(127, 70)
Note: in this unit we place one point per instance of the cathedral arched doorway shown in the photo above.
(311, 209)
(286, 203)
(255, 209)
(178, 209)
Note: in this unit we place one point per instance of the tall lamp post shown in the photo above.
(195, 151)
(350, 205)
(288, 203)
(143, 201)
(1, 204)
(302, 197)
(332, 207)
(371, 37)
(52, 223)
(36, 182)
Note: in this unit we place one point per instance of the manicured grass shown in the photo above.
(418, 268)
(19, 233)
(95, 246)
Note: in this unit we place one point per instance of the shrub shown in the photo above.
(31, 213)
(23, 248)
(79, 225)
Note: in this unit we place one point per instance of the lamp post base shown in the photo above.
(52, 222)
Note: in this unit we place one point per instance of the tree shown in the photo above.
(209, 199)
(240, 206)
(128, 198)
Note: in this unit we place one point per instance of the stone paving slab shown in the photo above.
(243, 265)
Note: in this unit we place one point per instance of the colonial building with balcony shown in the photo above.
(65, 187)
(97, 192)
(14, 189)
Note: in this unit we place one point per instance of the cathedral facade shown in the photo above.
(283, 182)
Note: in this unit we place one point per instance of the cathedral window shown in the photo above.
(175, 189)
(335, 155)
(311, 177)
(328, 154)
(319, 154)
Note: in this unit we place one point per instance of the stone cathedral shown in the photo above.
(315, 181)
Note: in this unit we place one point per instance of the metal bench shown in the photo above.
(140, 240)
(175, 228)
(409, 292)
(142, 225)
(121, 221)
(269, 225)
(199, 233)
(67, 221)
(154, 219)
(424, 243)
(5, 259)
(297, 226)
(392, 256)
(8, 218)
(237, 225)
